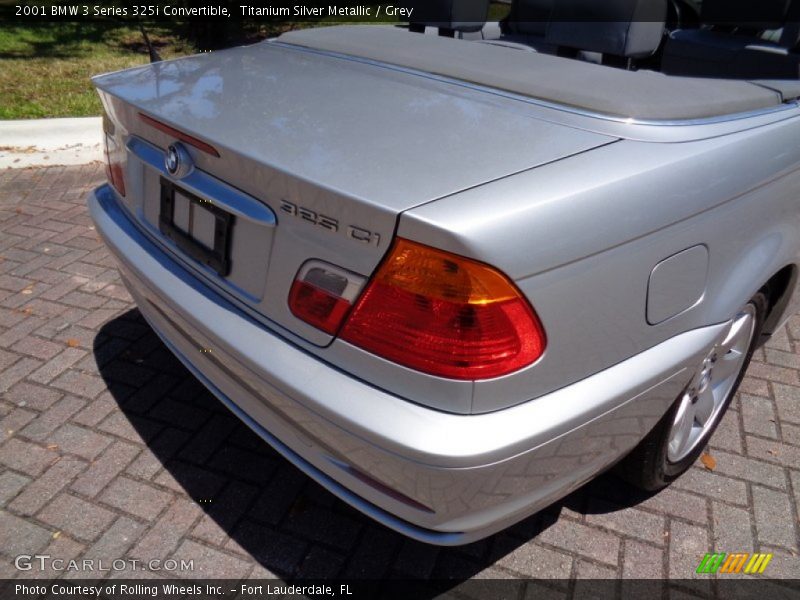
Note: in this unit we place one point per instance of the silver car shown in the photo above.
(452, 280)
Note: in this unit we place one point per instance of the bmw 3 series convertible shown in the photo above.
(454, 270)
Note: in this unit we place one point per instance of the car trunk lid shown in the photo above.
(335, 149)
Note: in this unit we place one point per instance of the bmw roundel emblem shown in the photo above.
(177, 161)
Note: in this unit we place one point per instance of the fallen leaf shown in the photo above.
(73, 343)
(709, 462)
(52, 447)
(27, 291)
(56, 535)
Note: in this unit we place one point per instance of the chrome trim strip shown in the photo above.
(545, 103)
(198, 182)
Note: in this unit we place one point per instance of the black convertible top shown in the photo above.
(641, 95)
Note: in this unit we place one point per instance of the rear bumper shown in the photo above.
(443, 478)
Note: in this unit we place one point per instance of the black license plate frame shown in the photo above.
(218, 257)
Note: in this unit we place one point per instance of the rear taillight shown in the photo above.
(322, 294)
(445, 315)
(114, 160)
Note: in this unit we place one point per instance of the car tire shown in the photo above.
(681, 435)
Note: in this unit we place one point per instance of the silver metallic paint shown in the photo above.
(577, 210)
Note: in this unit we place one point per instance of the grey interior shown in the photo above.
(624, 28)
(738, 49)
(642, 95)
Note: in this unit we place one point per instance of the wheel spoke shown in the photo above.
(738, 334)
(704, 406)
(682, 426)
(727, 366)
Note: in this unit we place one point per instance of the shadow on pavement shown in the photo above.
(290, 525)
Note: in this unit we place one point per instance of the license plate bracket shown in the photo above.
(206, 242)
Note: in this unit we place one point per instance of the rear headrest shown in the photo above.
(460, 15)
(628, 28)
(529, 17)
(751, 14)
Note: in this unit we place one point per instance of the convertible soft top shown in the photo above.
(641, 95)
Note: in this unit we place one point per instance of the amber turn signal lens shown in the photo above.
(445, 315)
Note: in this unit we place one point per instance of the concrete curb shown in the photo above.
(49, 142)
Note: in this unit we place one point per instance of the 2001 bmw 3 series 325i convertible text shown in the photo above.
(454, 279)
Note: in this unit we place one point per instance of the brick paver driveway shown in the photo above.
(111, 449)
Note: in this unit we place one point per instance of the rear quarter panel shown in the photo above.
(581, 237)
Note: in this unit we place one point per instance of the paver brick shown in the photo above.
(81, 519)
(130, 427)
(787, 401)
(713, 485)
(139, 499)
(81, 384)
(642, 561)
(96, 411)
(164, 535)
(582, 540)
(73, 439)
(750, 469)
(732, 529)
(62, 548)
(10, 485)
(773, 452)
(632, 523)
(162, 448)
(17, 371)
(774, 518)
(37, 347)
(116, 540)
(15, 420)
(46, 486)
(211, 563)
(26, 457)
(687, 545)
(106, 468)
(57, 365)
(55, 416)
(21, 536)
(532, 560)
(33, 396)
(224, 512)
(758, 416)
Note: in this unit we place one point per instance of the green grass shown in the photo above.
(45, 68)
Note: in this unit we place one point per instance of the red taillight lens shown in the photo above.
(322, 294)
(317, 307)
(114, 165)
(445, 315)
